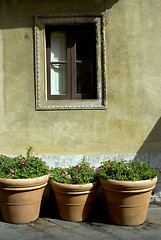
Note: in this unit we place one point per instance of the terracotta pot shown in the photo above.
(127, 202)
(21, 198)
(74, 202)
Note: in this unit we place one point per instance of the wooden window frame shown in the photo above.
(71, 61)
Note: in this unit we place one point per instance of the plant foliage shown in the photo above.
(126, 171)
(22, 167)
(80, 174)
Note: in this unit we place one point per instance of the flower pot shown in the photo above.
(74, 202)
(127, 202)
(20, 199)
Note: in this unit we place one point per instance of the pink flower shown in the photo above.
(78, 165)
(97, 169)
(109, 165)
(13, 175)
(66, 172)
(23, 162)
(77, 177)
(12, 171)
(67, 176)
(63, 174)
(26, 157)
(127, 168)
(37, 154)
(31, 156)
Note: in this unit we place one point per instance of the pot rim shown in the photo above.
(112, 180)
(19, 183)
(141, 185)
(73, 187)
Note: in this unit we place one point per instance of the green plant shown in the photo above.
(22, 167)
(80, 174)
(126, 171)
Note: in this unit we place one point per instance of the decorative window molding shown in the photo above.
(41, 68)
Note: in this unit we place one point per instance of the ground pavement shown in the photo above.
(49, 226)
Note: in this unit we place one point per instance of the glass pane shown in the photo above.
(84, 78)
(84, 45)
(58, 79)
(58, 46)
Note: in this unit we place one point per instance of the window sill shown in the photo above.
(70, 104)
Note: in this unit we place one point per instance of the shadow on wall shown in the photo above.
(152, 144)
(12, 12)
(150, 151)
(110, 3)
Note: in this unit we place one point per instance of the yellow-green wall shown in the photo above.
(131, 122)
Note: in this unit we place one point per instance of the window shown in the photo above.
(71, 57)
(70, 62)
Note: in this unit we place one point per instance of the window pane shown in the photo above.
(58, 79)
(58, 46)
(84, 45)
(84, 78)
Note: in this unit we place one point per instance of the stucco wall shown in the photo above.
(131, 123)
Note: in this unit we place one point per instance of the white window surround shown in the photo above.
(40, 62)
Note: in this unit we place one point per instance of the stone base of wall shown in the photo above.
(154, 159)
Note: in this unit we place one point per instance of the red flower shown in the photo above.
(67, 176)
(109, 165)
(23, 162)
